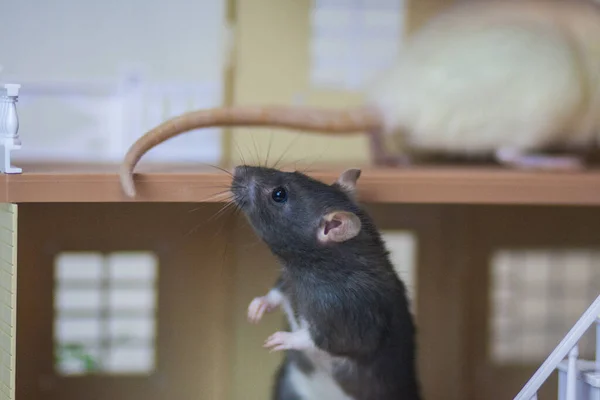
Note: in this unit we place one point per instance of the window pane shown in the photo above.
(131, 328)
(78, 299)
(68, 329)
(131, 298)
(402, 246)
(125, 359)
(139, 266)
(536, 297)
(351, 43)
(79, 266)
(105, 317)
(77, 359)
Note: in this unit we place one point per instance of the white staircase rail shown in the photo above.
(567, 347)
(598, 344)
(572, 373)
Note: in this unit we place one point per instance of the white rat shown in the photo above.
(504, 78)
(511, 79)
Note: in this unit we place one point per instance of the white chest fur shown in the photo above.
(319, 384)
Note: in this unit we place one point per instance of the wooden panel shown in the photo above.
(424, 184)
(8, 299)
(193, 315)
(253, 367)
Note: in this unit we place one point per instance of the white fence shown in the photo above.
(96, 121)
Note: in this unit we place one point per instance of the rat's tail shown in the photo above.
(311, 120)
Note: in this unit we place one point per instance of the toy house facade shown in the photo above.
(189, 278)
(104, 297)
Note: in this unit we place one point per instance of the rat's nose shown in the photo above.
(242, 185)
(240, 171)
(244, 173)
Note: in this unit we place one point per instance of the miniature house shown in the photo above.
(106, 297)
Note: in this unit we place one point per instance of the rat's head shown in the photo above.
(291, 209)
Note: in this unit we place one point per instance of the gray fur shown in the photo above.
(354, 302)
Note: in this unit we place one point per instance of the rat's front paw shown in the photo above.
(299, 340)
(258, 307)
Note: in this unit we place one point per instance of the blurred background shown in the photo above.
(126, 302)
(95, 76)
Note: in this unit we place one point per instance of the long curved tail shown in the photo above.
(325, 121)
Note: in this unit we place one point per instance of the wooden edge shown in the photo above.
(376, 185)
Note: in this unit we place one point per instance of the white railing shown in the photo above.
(569, 348)
(9, 127)
(96, 121)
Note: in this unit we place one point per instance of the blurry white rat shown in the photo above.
(510, 79)
(352, 335)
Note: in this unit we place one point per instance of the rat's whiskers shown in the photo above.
(269, 149)
(256, 151)
(286, 150)
(220, 169)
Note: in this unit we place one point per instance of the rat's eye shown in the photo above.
(279, 195)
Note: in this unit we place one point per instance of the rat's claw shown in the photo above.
(257, 308)
(279, 348)
(298, 340)
(279, 341)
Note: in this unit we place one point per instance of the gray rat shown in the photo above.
(352, 336)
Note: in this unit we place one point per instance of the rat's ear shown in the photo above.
(347, 180)
(339, 226)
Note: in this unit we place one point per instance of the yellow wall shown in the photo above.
(272, 67)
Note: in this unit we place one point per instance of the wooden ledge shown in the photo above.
(192, 183)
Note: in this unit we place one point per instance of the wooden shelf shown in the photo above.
(439, 184)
